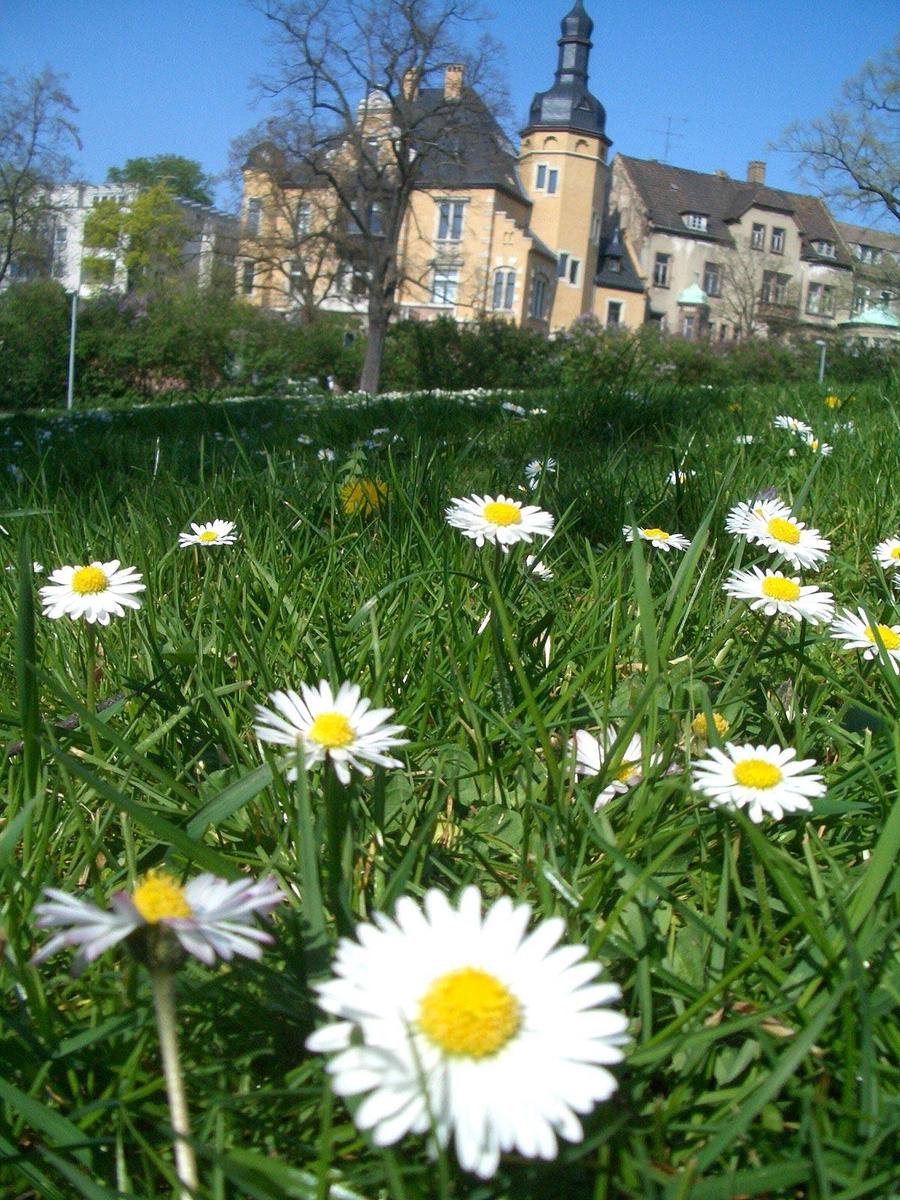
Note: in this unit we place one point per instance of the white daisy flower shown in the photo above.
(781, 534)
(592, 754)
(887, 553)
(657, 537)
(679, 477)
(816, 446)
(320, 725)
(744, 439)
(501, 521)
(538, 569)
(458, 1024)
(858, 632)
(793, 424)
(762, 779)
(742, 515)
(95, 592)
(536, 468)
(325, 455)
(772, 592)
(214, 533)
(207, 916)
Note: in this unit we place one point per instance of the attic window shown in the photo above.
(826, 249)
(695, 221)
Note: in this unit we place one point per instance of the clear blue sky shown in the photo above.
(175, 76)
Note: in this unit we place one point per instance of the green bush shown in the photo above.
(34, 333)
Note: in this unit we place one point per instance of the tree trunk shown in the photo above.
(371, 368)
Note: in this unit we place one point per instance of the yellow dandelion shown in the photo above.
(832, 401)
(700, 725)
(364, 496)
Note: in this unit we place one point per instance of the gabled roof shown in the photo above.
(613, 247)
(862, 235)
(669, 193)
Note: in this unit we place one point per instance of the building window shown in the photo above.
(375, 219)
(444, 285)
(712, 279)
(450, 220)
(723, 332)
(777, 240)
(301, 219)
(758, 237)
(254, 215)
(596, 226)
(820, 300)
(613, 313)
(774, 288)
(687, 325)
(248, 270)
(574, 268)
(546, 179)
(61, 235)
(696, 221)
(661, 270)
(504, 289)
(614, 265)
(868, 254)
(296, 277)
(562, 265)
(826, 249)
(540, 286)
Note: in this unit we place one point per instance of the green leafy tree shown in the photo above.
(183, 177)
(149, 234)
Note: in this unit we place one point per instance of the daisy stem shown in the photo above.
(337, 819)
(164, 1004)
(91, 682)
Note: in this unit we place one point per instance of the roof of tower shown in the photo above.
(569, 104)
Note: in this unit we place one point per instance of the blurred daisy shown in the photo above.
(887, 553)
(763, 779)
(772, 592)
(326, 455)
(793, 424)
(816, 446)
(500, 521)
(538, 569)
(744, 439)
(458, 1024)
(516, 409)
(700, 725)
(95, 592)
(658, 538)
(536, 468)
(679, 477)
(858, 632)
(592, 754)
(786, 535)
(740, 517)
(364, 496)
(318, 725)
(207, 917)
(214, 533)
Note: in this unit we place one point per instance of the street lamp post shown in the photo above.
(70, 386)
(823, 346)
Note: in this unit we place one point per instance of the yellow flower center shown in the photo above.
(331, 730)
(88, 581)
(756, 773)
(777, 588)
(626, 771)
(159, 898)
(895, 552)
(469, 1012)
(700, 725)
(784, 531)
(208, 535)
(656, 533)
(501, 512)
(889, 639)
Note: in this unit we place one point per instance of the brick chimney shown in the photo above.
(410, 85)
(453, 78)
(756, 171)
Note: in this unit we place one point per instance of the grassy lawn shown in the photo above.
(757, 961)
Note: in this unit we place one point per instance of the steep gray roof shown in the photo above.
(569, 103)
(613, 249)
(670, 192)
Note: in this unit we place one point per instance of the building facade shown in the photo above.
(554, 232)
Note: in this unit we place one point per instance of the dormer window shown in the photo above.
(868, 254)
(614, 265)
(697, 221)
(825, 249)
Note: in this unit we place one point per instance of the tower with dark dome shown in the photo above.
(563, 165)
